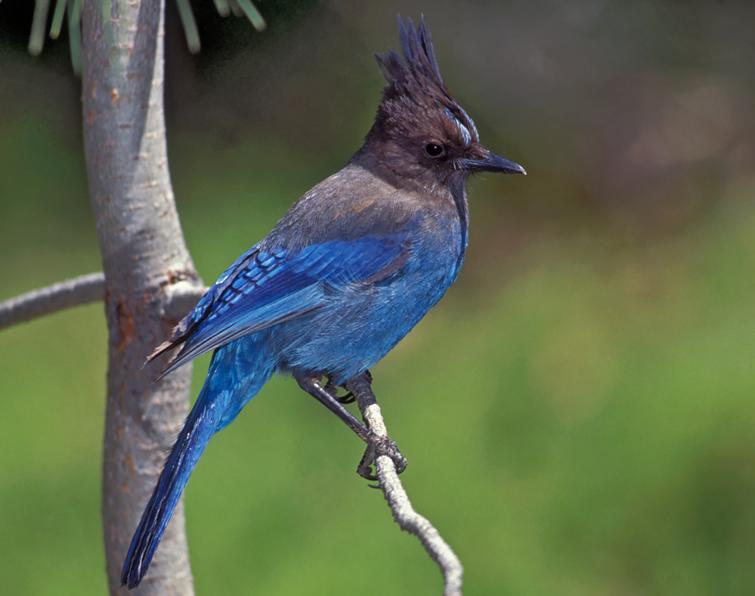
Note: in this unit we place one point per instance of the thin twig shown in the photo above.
(85, 289)
(403, 512)
(66, 294)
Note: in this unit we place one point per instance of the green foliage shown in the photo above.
(72, 10)
(189, 25)
(36, 40)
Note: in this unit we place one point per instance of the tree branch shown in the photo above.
(44, 301)
(179, 299)
(403, 512)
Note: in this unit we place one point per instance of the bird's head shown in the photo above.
(421, 133)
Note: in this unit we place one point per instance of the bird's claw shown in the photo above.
(348, 398)
(380, 445)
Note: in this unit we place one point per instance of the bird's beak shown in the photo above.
(490, 162)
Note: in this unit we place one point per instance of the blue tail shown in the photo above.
(199, 427)
(221, 399)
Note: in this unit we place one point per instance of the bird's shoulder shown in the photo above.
(354, 203)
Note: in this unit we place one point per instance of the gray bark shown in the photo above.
(144, 256)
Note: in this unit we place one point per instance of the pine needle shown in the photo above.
(190, 26)
(38, 26)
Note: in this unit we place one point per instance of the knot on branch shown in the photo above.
(180, 297)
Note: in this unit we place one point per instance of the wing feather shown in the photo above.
(266, 287)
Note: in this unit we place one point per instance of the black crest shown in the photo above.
(416, 74)
(416, 100)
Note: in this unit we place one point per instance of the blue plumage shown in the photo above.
(268, 288)
(227, 389)
(347, 272)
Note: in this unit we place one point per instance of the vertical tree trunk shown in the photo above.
(143, 254)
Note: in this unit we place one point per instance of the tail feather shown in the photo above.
(192, 440)
(237, 372)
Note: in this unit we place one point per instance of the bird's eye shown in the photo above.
(435, 150)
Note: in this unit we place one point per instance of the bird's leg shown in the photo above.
(376, 445)
(382, 444)
(313, 386)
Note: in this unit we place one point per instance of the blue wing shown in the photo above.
(265, 287)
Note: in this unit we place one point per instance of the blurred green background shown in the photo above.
(578, 412)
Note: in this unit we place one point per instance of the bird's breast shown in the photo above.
(446, 226)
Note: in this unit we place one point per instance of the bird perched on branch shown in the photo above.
(347, 273)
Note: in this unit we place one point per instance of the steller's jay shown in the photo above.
(346, 273)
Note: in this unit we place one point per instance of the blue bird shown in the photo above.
(340, 280)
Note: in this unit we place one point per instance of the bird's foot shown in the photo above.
(332, 388)
(348, 397)
(379, 445)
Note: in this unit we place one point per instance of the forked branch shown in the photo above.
(393, 490)
(85, 289)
